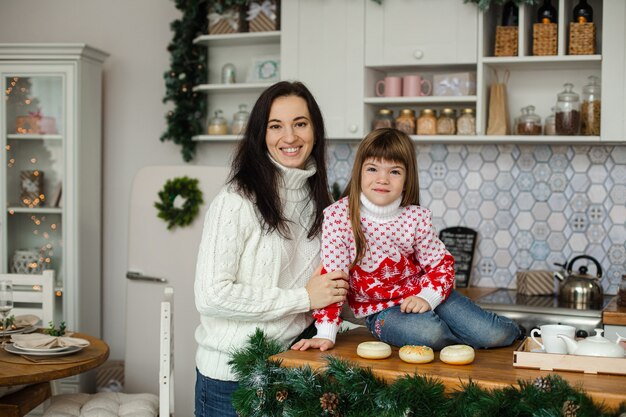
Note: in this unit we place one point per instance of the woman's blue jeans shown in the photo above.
(214, 397)
(457, 320)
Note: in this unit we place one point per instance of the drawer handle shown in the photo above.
(353, 128)
(418, 54)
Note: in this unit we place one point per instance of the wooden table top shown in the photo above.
(16, 370)
(614, 314)
(491, 368)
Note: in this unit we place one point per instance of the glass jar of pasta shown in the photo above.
(590, 109)
(383, 119)
(427, 122)
(466, 123)
(446, 123)
(405, 122)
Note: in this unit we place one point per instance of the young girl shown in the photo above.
(401, 274)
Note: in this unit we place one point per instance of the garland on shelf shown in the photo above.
(187, 68)
(171, 209)
(348, 390)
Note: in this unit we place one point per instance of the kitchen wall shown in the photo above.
(531, 205)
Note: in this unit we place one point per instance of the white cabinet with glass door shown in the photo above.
(50, 173)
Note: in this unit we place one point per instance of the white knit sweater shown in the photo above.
(246, 278)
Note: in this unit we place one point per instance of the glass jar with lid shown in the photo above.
(217, 124)
(383, 119)
(405, 122)
(466, 123)
(529, 123)
(446, 123)
(427, 122)
(590, 109)
(240, 120)
(549, 126)
(567, 117)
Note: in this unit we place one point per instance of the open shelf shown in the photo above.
(238, 39)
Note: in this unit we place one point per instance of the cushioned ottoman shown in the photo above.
(103, 404)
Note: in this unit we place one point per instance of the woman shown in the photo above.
(258, 258)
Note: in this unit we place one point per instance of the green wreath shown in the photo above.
(186, 188)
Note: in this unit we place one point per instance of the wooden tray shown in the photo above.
(524, 357)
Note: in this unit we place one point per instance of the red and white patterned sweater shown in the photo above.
(404, 257)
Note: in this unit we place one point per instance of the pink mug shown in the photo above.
(391, 87)
(412, 86)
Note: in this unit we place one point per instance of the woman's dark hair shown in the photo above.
(257, 177)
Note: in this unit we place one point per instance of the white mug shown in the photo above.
(551, 343)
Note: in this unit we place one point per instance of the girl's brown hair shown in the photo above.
(381, 144)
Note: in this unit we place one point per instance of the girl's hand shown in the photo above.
(316, 343)
(414, 304)
(327, 289)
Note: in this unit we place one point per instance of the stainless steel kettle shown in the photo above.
(581, 290)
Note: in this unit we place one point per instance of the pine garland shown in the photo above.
(187, 68)
(345, 389)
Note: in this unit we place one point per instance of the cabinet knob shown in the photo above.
(418, 54)
(353, 128)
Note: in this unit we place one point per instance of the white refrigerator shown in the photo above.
(158, 257)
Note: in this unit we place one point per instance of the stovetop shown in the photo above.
(505, 299)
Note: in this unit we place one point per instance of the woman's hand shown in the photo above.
(315, 343)
(414, 304)
(327, 289)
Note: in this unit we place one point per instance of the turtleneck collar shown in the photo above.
(293, 186)
(380, 214)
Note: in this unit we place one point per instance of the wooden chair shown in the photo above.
(146, 404)
(33, 294)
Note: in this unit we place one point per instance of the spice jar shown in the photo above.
(383, 119)
(446, 122)
(406, 121)
(567, 117)
(549, 126)
(466, 123)
(621, 293)
(529, 123)
(590, 109)
(217, 124)
(427, 122)
(240, 120)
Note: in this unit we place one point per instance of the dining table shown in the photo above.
(37, 371)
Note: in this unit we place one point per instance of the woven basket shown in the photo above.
(544, 38)
(582, 38)
(506, 41)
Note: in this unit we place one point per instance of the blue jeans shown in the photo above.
(457, 320)
(214, 397)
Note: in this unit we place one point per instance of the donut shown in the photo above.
(457, 354)
(416, 354)
(373, 350)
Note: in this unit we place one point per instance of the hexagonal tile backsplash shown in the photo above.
(531, 205)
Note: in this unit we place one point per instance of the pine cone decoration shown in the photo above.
(281, 395)
(329, 402)
(260, 393)
(543, 384)
(570, 409)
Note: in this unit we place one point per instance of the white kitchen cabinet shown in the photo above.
(50, 172)
(323, 48)
(242, 50)
(536, 80)
(424, 32)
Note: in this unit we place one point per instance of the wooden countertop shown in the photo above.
(491, 368)
(614, 314)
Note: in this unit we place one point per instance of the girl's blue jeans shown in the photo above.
(214, 397)
(457, 320)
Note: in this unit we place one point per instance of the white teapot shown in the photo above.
(595, 346)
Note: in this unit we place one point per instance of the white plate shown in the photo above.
(16, 350)
(27, 329)
(54, 349)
